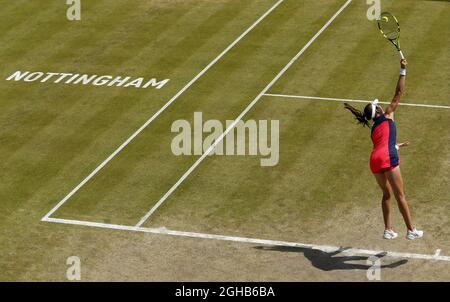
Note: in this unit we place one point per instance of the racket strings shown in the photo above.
(389, 26)
(390, 31)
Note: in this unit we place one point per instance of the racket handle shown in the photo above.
(401, 54)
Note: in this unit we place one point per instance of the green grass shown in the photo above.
(53, 135)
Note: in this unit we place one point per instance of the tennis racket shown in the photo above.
(390, 28)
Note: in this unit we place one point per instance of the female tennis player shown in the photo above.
(384, 160)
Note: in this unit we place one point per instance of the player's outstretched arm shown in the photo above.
(405, 144)
(399, 89)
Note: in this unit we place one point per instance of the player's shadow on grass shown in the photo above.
(329, 261)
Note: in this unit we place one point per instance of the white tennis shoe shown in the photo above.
(414, 234)
(389, 234)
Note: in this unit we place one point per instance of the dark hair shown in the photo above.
(363, 117)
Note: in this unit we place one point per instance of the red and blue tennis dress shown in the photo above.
(384, 155)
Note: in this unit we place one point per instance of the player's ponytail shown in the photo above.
(363, 117)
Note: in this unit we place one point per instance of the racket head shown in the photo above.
(389, 26)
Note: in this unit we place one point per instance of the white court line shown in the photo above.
(349, 100)
(125, 143)
(324, 248)
(220, 138)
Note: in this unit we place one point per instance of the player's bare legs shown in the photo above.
(395, 179)
(386, 199)
(386, 205)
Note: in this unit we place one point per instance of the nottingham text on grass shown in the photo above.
(85, 79)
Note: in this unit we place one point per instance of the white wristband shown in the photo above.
(402, 71)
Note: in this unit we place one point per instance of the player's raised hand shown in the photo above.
(403, 63)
